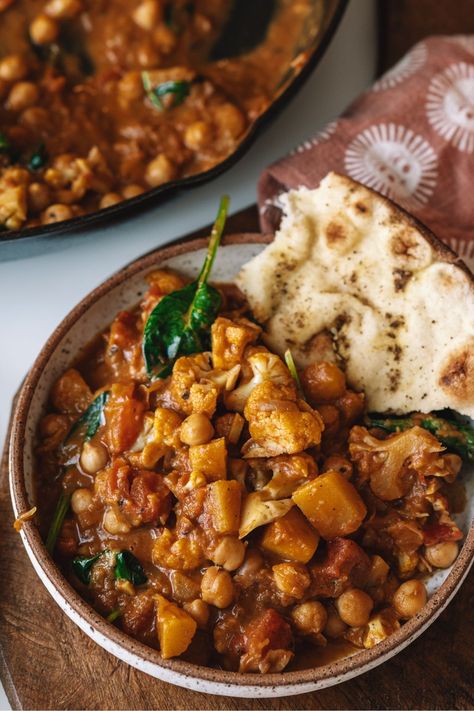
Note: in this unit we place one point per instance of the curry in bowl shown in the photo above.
(102, 101)
(222, 505)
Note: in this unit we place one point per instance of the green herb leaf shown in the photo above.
(91, 419)
(127, 567)
(38, 159)
(61, 510)
(82, 567)
(114, 615)
(5, 145)
(180, 323)
(454, 435)
(179, 90)
(294, 373)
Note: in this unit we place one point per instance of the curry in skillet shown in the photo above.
(219, 504)
(101, 100)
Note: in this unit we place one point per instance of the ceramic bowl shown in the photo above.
(90, 317)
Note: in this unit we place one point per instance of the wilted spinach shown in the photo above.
(127, 567)
(61, 510)
(38, 159)
(82, 567)
(456, 436)
(178, 89)
(91, 419)
(290, 363)
(180, 323)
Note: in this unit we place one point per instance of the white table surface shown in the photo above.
(37, 292)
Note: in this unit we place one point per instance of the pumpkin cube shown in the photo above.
(223, 505)
(175, 628)
(291, 537)
(210, 459)
(332, 504)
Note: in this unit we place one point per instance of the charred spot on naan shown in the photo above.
(457, 374)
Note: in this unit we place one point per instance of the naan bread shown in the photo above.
(352, 277)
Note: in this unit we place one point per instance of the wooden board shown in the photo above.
(46, 662)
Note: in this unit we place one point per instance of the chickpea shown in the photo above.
(199, 611)
(114, 523)
(56, 213)
(334, 626)
(13, 67)
(160, 170)
(354, 607)
(351, 406)
(131, 191)
(198, 135)
(323, 382)
(229, 120)
(63, 9)
(147, 14)
(110, 199)
(196, 429)
(409, 598)
(331, 419)
(130, 86)
(379, 570)
(442, 555)
(252, 564)
(38, 197)
(35, 118)
(309, 617)
(22, 95)
(81, 499)
(291, 578)
(229, 553)
(94, 457)
(44, 30)
(339, 464)
(164, 38)
(217, 587)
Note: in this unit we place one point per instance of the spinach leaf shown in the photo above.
(114, 615)
(82, 567)
(454, 435)
(91, 418)
(179, 90)
(180, 323)
(127, 567)
(61, 510)
(38, 158)
(5, 145)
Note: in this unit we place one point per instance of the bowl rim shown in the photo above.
(340, 669)
(75, 225)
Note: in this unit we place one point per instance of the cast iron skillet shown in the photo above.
(313, 44)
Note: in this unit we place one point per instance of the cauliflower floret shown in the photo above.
(261, 365)
(203, 398)
(13, 207)
(187, 371)
(229, 340)
(278, 422)
(288, 473)
(391, 464)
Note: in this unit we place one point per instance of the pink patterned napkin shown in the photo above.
(411, 137)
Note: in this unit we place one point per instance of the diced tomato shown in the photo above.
(438, 532)
(150, 497)
(123, 417)
(345, 564)
(267, 631)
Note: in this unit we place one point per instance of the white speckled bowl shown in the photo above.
(90, 317)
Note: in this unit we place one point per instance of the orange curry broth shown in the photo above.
(328, 571)
(71, 83)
